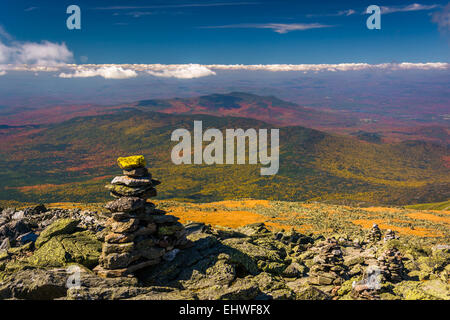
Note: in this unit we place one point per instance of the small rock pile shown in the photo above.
(391, 265)
(369, 287)
(390, 235)
(328, 268)
(139, 235)
(374, 234)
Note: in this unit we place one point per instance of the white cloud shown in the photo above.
(4, 34)
(44, 54)
(2, 73)
(347, 13)
(408, 8)
(31, 9)
(138, 14)
(189, 71)
(107, 72)
(442, 18)
(276, 27)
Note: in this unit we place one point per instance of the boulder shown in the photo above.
(35, 285)
(13, 229)
(294, 270)
(18, 215)
(61, 226)
(312, 293)
(80, 247)
(5, 245)
(27, 237)
(46, 284)
(8, 212)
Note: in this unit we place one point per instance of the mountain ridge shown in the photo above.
(71, 160)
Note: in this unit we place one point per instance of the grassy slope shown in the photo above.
(431, 206)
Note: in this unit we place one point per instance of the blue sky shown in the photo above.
(233, 32)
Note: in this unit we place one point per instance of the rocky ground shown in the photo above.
(39, 248)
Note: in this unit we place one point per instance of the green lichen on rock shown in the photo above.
(131, 162)
(3, 254)
(271, 267)
(169, 230)
(254, 251)
(62, 226)
(347, 286)
(427, 290)
(312, 293)
(80, 247)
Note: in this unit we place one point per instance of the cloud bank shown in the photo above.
(192, 71)
(336, 67)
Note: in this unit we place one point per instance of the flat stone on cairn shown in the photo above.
(139, 235)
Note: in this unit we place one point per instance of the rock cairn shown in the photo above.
(391, 265)
(369, 287)
(390, 235)
(374, 234)
(328, 268)
(138, 234)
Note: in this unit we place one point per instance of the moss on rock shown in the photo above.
(80, 247)
(131, 162)
(62, 226)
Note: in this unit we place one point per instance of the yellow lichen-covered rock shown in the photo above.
(131, 162)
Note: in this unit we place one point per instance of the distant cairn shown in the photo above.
(374, 233)
(138, 234)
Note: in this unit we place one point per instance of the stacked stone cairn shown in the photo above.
(328, 268)
(391, 265)
(390, 235)
(138, 234)
(374, 234)
(369, 287)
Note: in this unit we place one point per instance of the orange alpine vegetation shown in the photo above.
(231, 218)
(429, 217)
(416, 231)
(383, 209)
(233, 204)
